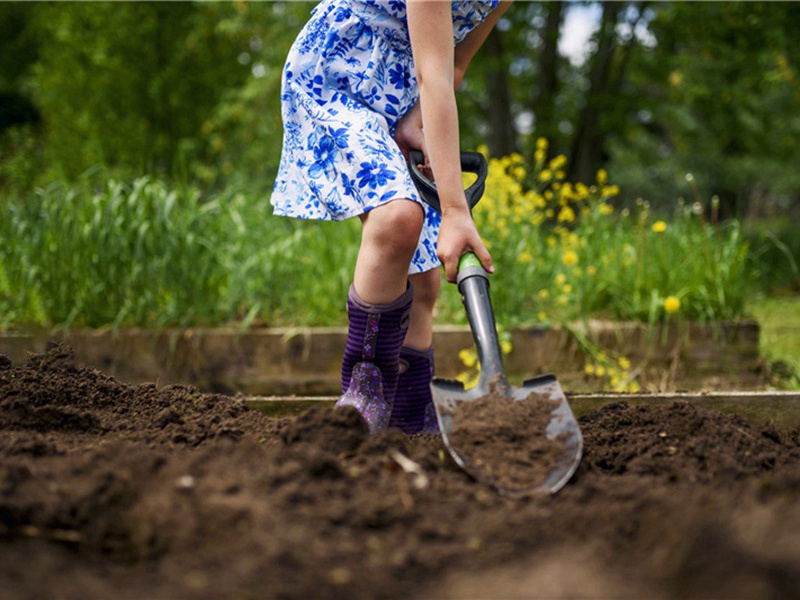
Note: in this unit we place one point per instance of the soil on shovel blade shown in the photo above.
(138, 491)
(505, 439)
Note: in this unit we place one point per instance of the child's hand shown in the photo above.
(457, 236)
(408, 133)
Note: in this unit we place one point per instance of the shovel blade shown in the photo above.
(563, 443)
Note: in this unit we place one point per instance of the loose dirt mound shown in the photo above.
(111, 490)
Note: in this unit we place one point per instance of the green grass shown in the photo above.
(106, 253)
(779, 318)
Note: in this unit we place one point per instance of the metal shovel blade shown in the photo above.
(540, 459)
(562, 431)
(559, 444)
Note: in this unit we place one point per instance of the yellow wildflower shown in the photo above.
(468, 357)
(546, 175)
(561, 279)
(672, 304)
(591, 270)
(606, 209)
(610, 191)
(566, 214)
(542, 315)
(602, 176)
(570, 257)
(624, 363)
(600, 371)
(567, 288)
(659, 227)
(506, 347)
(589, 369)
(543, 294)
(525, 258)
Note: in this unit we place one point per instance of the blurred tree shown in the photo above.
(717, 96)
(121, 83)
(18, 50)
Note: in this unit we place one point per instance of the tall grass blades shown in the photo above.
(144, 254)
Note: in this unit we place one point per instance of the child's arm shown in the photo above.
(474, 40)
(431, 31)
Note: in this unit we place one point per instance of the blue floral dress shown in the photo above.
(348, 79)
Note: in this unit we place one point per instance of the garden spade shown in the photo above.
(473, 284)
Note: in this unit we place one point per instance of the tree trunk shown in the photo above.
(587, 148)
(502, 133)
(544, 93)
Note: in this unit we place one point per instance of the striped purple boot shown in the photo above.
(372, 356)
(413, 410)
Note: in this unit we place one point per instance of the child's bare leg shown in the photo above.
(388, 241)
(426, 290)
(379, 310)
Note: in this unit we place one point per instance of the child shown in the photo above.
(361, 80)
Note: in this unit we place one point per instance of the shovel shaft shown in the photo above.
(473, 283)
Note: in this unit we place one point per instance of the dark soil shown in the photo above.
(504, 440)
(117, 491)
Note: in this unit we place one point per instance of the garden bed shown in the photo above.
(116, 490)
(285, 361)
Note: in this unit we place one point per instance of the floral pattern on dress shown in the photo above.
(348, 79)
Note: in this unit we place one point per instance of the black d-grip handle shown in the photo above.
(471, 162)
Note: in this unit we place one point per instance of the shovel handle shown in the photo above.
(473, 284)
(471, 162)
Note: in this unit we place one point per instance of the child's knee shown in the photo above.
(398, 225)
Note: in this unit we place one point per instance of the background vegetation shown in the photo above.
(139, 141)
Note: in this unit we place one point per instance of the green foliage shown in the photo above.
(123, 83)
(146, 255)
(104, 253)
(718, 97)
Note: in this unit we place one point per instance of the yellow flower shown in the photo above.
(543, 294)
(566, 214)
(659, 227)
(610, 191)
(570, 257)
(602, 177)
(525, 258)
(589, 369)
(591, 270)
(561, 279)
(567, 288)
(541, 143)
(672, 304)
(468, 357)
(506, 347)
(546, 175)
(606, 209)
(624, 363)
(600, 371)
(542, 315)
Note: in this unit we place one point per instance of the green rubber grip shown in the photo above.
(468, 260)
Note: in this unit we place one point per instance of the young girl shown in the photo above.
(365, 82)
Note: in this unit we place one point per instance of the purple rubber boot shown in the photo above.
(372, 356)
(413, 410)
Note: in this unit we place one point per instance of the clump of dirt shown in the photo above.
(504, 441)
(109, 489)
